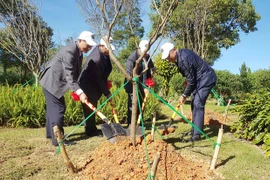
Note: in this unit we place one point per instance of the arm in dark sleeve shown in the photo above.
(150, 66)
(69, 63)
(99, 80)
(130, 66)
(190, 74)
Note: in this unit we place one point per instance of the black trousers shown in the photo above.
(55, 110)
(130, 96)
(198, 107)
(90, 124)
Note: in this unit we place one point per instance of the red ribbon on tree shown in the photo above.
(150, 82)
(109, 84)
(75, 96)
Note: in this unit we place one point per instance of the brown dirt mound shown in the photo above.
(122, 161)
(210, 118)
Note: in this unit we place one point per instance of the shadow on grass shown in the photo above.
(173, 142)
(77, 136)
(225, 161)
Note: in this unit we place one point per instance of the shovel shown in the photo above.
(114, 112)
(110, 130)
(172, 118)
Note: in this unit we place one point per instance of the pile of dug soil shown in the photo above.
(210, 118)
(122, 160)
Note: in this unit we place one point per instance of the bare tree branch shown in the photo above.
(110, 11)
(26, 35)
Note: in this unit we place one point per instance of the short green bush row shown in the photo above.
(254, 121)
(25, 107)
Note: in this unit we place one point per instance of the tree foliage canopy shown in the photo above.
(26, 35)
(206, 26)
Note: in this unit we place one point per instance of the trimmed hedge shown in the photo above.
(25, 107)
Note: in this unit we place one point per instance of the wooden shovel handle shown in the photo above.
(176, 108)
(102, 116)
(143, 107)
(114, 112)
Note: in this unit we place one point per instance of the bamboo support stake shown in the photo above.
(217, 148)
(153, 125)
(226, 112)
(59, 136)
(219, 139)
(154, 167)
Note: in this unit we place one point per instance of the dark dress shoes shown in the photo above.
(193, 138)
(94, 133)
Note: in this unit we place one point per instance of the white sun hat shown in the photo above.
(143, 45)
(165, 50)
(102, 42)
(88, 37)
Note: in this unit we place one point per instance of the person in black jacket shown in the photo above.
(93, 81)
(131, 62)
(201, 78)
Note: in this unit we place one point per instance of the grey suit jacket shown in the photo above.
(62, 71)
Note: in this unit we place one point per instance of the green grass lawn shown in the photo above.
(238, 159)
(27, 154)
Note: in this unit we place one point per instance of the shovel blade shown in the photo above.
(163, 126)
(113, 132)
(107, 131)
(118, 129)
(139, 131)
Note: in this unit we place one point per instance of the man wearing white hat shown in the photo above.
(93, 79)
(60, 75)
(131, 62)
(201, 78)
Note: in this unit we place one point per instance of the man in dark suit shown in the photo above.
(201, 78)
(93, 79)
(131, 62)
(60, 75)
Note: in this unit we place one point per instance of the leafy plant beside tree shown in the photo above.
(254, 119)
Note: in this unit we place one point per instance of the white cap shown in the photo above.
(88, 37)
(143, 45)
(102, 42)
(165, 50)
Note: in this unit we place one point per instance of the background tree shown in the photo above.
(103, 16)
(206, 26)
(245, 78)
(228, 85)
(26, 36)
(128, 25)
(125, 52)
(261, 79)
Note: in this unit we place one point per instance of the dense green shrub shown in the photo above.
(22, 108)
(14, 78)
(254, 121)
(176, 85)
(25, 107)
